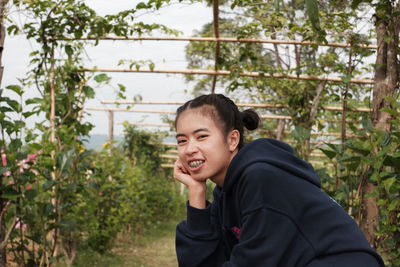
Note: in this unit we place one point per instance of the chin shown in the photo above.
(199, 178)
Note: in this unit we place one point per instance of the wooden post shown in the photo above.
(217, 44)
(280, 131)
(110, 127)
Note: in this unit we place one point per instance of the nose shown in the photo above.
(191, 148)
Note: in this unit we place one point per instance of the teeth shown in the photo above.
(196, 163)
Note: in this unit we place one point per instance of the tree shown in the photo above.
(250, 19)
(387, 76)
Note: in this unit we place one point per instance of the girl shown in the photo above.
(268, 208)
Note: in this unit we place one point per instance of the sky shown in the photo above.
(151, 87)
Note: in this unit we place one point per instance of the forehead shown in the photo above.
(195, 118)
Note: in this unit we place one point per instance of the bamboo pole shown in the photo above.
(212, 39)
(224, 72)
(110, 127)
(173, 112)
(131, 110)
(283, 117)
(127, 102)
(54, 174)
(217, 44)
(146, 124)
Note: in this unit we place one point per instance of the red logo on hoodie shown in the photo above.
(236, 232)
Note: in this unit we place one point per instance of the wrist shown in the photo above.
(197, 196)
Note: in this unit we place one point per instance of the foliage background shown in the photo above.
(56, 196)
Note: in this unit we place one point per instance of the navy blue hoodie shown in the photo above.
(271, 212)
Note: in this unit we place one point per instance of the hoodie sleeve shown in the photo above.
(268, 235)
(198, 239)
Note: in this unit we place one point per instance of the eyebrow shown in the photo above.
(195, 131)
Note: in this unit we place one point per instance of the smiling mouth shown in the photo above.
(195, 163)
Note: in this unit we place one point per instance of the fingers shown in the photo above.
(182, 174)
(179, 169)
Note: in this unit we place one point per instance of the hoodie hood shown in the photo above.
(272, 152)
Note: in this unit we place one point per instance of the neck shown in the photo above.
(219, 179)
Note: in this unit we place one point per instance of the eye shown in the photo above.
(203, 136)
(180, 141)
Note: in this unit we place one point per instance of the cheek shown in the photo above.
(181, 156)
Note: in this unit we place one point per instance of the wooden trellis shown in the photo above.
(217, 72)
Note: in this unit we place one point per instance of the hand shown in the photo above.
(183, 175)
(196, 189)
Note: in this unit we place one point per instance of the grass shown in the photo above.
(156, 247)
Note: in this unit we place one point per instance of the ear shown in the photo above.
(233, 140)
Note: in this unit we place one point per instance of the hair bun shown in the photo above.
(250, 119)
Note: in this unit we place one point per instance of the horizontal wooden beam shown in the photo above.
(224, 73)
(145, 124)
(130, 110)
(126, 102)
(212, 39)
(173, 112)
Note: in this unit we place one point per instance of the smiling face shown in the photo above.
(203, 149)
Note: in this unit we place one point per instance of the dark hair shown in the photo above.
(225, 111)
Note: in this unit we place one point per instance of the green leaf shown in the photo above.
(14, 105)
(359, 150)
(141, 5)
(300, 133)
(48, 209)
(329, 153)
(15, 145)
(392, 161)
(388, 183)
(64, 159)
(10, 193)
(393, 112)
(102, 78)
(122, 87)
(49, 184)
(152, 66)
(16, 88)
(5, 109)
(28, 114)
(356, 3)
(35, 100)
(346, 78)
(89, 92)
(12, 30)
(277, 4)
(68, 50)
(30, 194)
(313, 12)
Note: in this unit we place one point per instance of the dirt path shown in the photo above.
(154, 249)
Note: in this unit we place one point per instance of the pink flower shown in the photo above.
(4, 159)
(28, 187)
(34, 171)
(21, 225)
(11, 182)
(7, 173)
(32, 157)
(25, 166)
